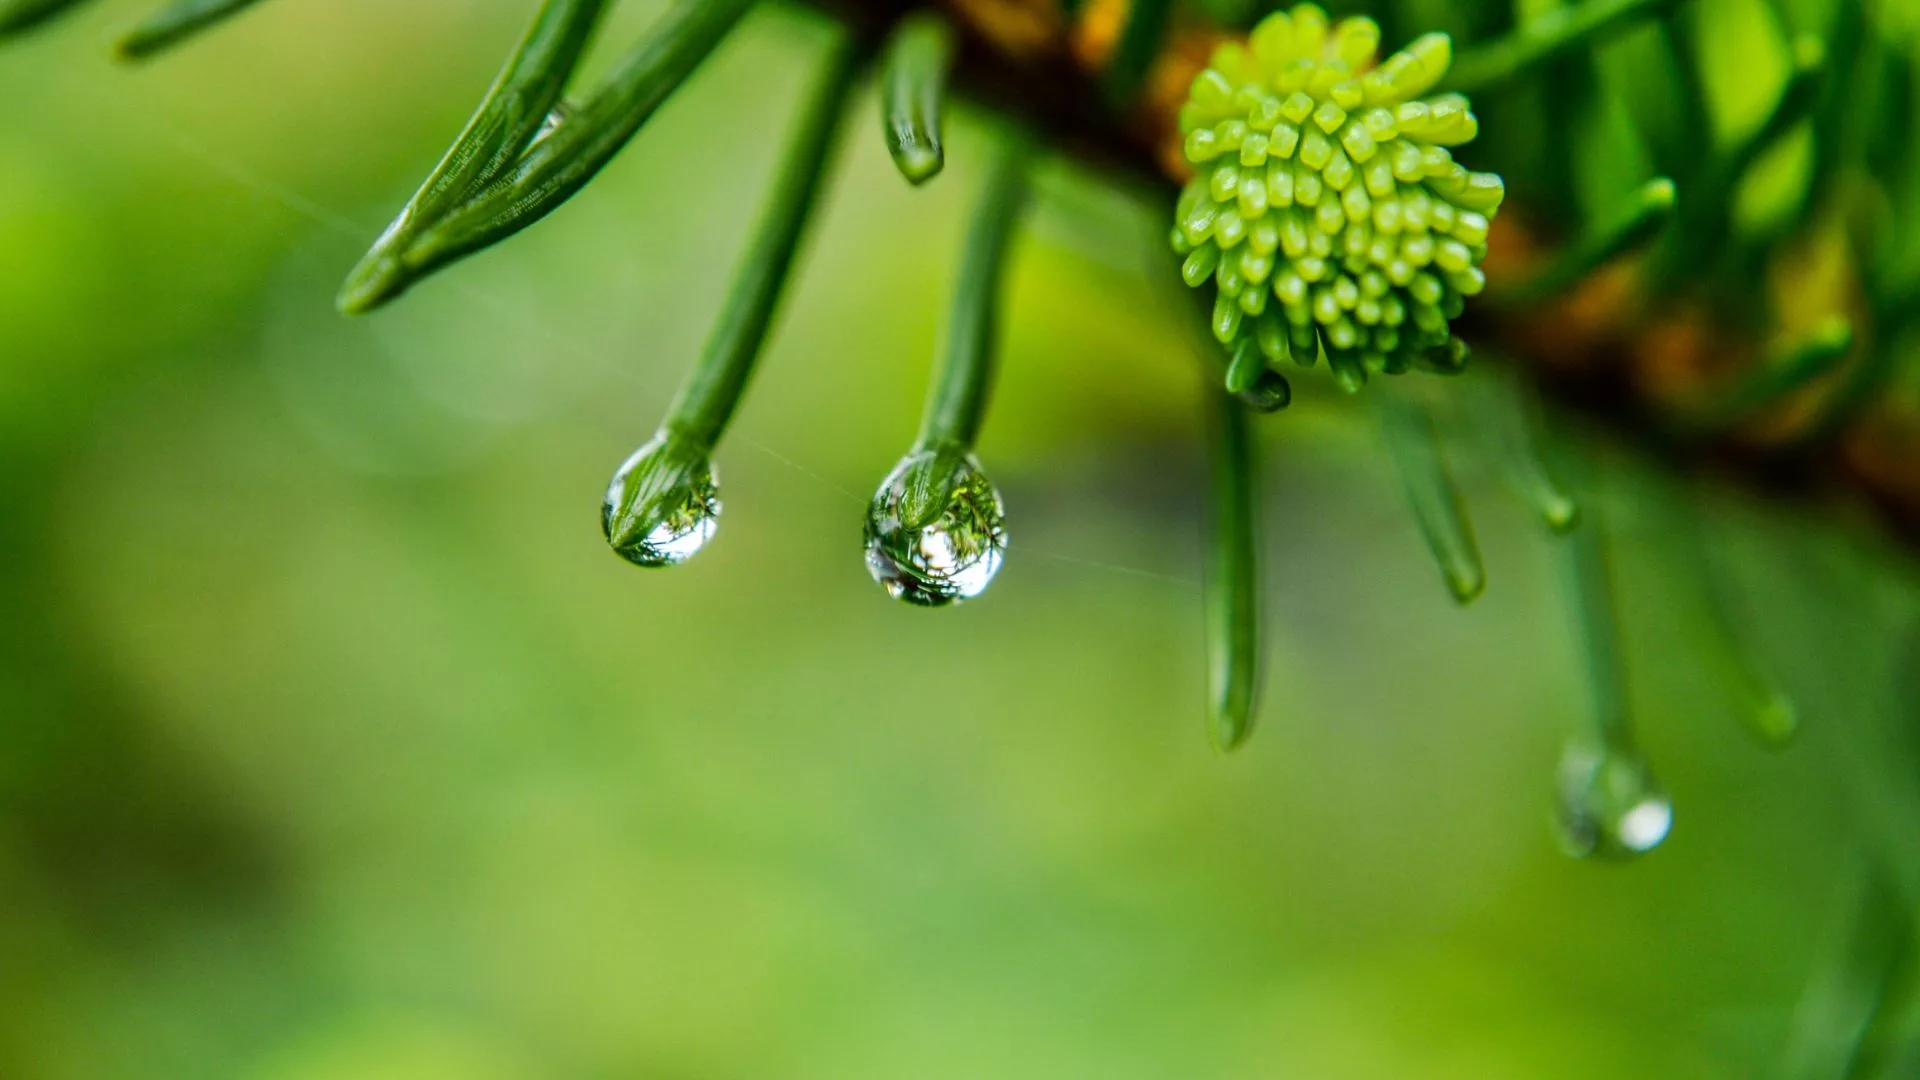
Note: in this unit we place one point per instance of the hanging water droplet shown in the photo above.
(1610, 804)
(936, 529)
(663, 505)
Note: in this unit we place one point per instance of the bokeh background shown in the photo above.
(334, 744)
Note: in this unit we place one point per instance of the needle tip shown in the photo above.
(918, 162)
(377, 280)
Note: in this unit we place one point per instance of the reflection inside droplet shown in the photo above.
(1610, 804)
(663, 505)
(936, 529)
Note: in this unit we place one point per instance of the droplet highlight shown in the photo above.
(1610, 804)
(559, 114)
(663, 505)
(936, 529)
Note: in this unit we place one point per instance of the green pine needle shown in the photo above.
(1546, 38)
(913, 87)
(1861, 992)
(936, 527)
(1507, 421)
(1233, 577)
(174, 24)
(1645, 215)
(1773, 381)
(957, 402)
(663, 504)
(19, 16)
(1140, 40)
(1437, 506)
(1610, 803)
(1796, 101)
(1246, 367)
(1894, 310)
(1706, 219)
(1764, 709)
(1589, 575)
(522, 99)
(557, 166)
(707, 401)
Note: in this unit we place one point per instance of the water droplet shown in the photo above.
(1610, 804)
(936, 529)
(559, 114)
(663, 505)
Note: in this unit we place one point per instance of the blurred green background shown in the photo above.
(334, 743)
